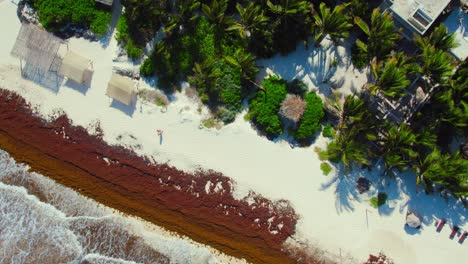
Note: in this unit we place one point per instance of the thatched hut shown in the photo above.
(121, 88)
(292, 108)
(75, 67)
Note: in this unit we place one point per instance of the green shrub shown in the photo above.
(124, 39)
(100, 23)
(133, 51)
(325, 167)
(147, 69)
(265, 105)
(55, 14)
(297, 87)
(247, 116)
(229, 85)
(204, 40)
(226, 115)
(121, 34)
(210, 123)
(313, 114)
(328, 131)
(378, 201)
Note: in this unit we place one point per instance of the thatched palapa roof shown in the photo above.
(292, 107)
(121, 89)
(36, 46)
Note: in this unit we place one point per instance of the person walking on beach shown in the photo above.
(160, 134)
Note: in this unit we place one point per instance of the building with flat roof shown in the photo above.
(414, 16)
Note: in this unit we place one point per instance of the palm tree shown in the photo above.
(347, 149)
(445, 170)
(381, 35)
(352, 111)
(453, 101)
(204, 75)
(216, 14)
(252, 19)
(397, 146)
(409, 64)
(436, 64)
(288, 11)
(245, 62)
(290, 22)
(184, 15)
(439, 39)
(334, 23)
(390, 78)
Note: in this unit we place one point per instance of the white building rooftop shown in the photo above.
(417, 15)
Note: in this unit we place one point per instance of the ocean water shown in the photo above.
(42, 221)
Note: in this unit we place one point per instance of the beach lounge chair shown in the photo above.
(454, 231)
(440, 225)
(462, 238)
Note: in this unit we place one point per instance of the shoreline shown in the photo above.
(29, 140)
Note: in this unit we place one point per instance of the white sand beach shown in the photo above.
(333, 214)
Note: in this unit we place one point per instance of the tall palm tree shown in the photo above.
(216, 14)
(409, 64)
(245, 62)
(290, 22)
(204, 75)
(347, 149)
(381, 35)
(252, 19)
(335, 24)
(436, 64)
(439, 38)
(184, 15)
(353, 110)
(447, 171)
(390, 78)
(288, 11)
(453, 101)
(397, 147)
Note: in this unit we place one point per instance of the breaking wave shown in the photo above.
(42, 221)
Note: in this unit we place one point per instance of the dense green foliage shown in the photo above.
(144, 18)
(334, 23)
(123, 37)
(265, 105)
(56, 14)
(313, 115)
(380, 36)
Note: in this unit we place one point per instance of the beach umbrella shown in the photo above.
(413, 220)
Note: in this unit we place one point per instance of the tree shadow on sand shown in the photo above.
(344, 185)
(315, 66)
(402, 196)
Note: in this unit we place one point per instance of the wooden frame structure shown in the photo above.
(36, 47)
